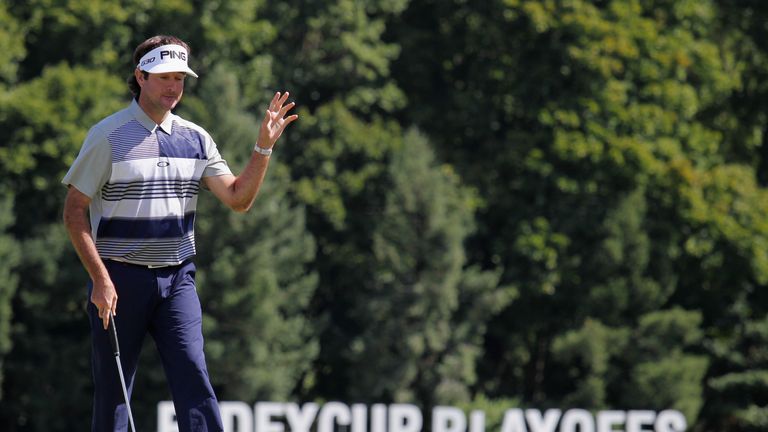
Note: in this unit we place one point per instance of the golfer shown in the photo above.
(130, 213)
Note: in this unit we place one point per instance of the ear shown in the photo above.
(139, 76)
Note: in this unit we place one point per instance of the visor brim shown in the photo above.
(171, 67)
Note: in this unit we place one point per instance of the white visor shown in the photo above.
(166, 58)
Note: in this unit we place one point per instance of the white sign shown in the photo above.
(331, 416)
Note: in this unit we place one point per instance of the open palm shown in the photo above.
(275, 120)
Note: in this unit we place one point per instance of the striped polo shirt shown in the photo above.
(143, 180)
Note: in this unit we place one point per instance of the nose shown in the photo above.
(175, 87)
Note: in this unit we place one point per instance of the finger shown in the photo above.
(285, 109)
(273, 102)
(287, 121)
(105, 320)
(284, 98)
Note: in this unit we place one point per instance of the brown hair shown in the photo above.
(145, 47)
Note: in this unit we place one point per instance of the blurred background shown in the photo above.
(486, 204)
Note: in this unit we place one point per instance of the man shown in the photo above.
(138, 175)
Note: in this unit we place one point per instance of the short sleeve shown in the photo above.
(216, 166)
(93, 165)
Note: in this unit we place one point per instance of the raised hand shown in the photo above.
(275, 120)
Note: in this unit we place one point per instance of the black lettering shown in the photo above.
(165, 53)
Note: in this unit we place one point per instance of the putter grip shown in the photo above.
(113, 336)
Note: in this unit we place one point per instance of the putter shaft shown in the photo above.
(116, 351)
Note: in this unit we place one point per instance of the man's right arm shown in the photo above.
(78, 227)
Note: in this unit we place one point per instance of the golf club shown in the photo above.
(116, 350)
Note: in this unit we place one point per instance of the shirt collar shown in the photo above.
(148, 123)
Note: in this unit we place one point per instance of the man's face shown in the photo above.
(163, 90)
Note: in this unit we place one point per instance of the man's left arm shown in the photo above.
(239, 192)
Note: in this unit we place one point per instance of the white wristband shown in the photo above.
(262, 150)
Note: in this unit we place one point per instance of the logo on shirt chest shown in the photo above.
(163, 164)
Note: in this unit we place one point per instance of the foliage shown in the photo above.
(488, 204)
(413, 312)
(254, 281)
(11, 46)
(9, 258)
(50, 116)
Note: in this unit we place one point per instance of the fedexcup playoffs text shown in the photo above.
(338, 416)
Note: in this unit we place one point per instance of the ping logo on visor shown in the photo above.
(166, 58)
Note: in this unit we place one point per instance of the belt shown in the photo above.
(149, 266)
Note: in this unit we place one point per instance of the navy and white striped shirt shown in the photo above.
(143, 180)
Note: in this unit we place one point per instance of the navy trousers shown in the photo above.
(162, 302)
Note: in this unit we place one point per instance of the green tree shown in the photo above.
(738, 363)
(335, 62)
(254, 276)
(663, 372)
(738, 397)
(9, 258)
(588, 128)
(11, 50)
(340, 173)
(588, 358)
(337, 52)
(616, 150)
(11, 46)
(741, 116)
(104, 33)
(45, 121)
(422, 312)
